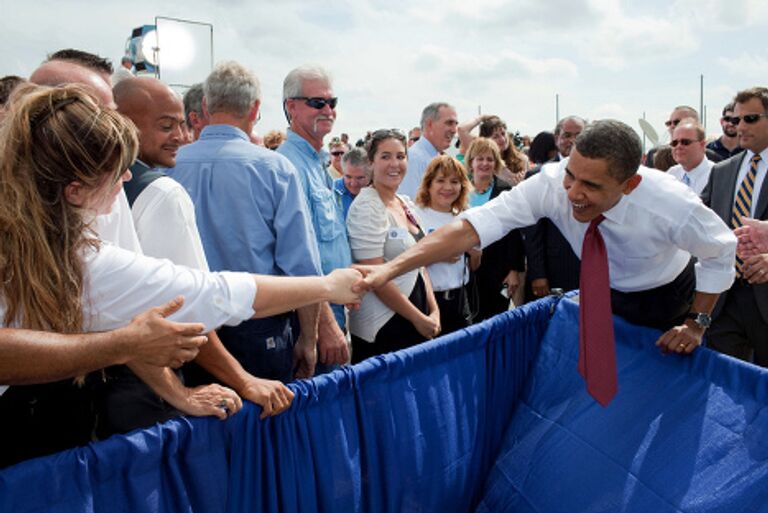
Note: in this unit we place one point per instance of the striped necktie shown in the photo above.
(742, 205)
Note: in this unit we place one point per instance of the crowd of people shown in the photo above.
(276, 258)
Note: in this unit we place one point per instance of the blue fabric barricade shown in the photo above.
(416, 430)
(684, 434)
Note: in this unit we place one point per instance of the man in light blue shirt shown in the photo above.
(309, 104)
(249, 219)
(438, 128)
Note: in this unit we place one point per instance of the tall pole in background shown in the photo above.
(557, 108)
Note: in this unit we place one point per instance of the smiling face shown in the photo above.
(444, 191)
(441, 131)
(482, 167)
(389, 164)
(161, 131)
(568, 133)
(310, 123)
(591, 189)
(499, 136)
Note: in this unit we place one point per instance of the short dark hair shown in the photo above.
(7, 84)
(86, 59)
(193, 101)
(615, 142)
(760, 93)
(490, 125)
(728, 108)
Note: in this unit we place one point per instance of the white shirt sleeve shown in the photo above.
(705, 236)
(165, 223)
(117, 226)
(367, 226)
(121, 284)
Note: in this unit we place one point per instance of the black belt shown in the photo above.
(448, 295)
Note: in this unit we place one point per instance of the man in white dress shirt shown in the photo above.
(652, 227)
(438, 128)
(689, 151)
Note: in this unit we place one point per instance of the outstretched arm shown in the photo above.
(28, 357)
(449, 240)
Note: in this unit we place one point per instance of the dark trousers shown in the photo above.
(662, 307)
(124, 402)
(454, 309)
(37, 420)
(264, 347)
(398, 333)
(739, 330)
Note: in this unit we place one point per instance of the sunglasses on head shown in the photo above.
(749, 119)
(316, 102)
(684, 142)
(672, 122)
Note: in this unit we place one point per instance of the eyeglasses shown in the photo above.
(749, 119)
(672, 122)
(337, 153)
(684, 142)
(316, 102)
(414, 139)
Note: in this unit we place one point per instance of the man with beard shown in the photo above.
(727, 145)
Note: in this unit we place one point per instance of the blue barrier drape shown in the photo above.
(416, 430)
(684, 434)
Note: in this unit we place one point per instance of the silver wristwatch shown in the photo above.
(702, 320)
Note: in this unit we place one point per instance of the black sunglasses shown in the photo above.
(316, 102)
(749, 119)
(414, 139)
(684, 142)
(672, 122)
(337, 153)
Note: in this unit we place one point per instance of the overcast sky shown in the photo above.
(389, 58)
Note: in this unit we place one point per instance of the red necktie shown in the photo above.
(597, 349)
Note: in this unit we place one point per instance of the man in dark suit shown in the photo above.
(737, 189)
(551, 261)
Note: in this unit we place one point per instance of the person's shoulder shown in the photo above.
(730, 162)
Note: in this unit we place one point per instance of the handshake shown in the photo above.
(348, 286)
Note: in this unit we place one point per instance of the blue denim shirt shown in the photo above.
(343, 196)
(245, 204)
(327, 216)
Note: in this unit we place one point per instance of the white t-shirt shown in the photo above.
(444, 275)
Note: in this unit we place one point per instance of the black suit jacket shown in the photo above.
(549, 255)
(718, 195)
(504, 255)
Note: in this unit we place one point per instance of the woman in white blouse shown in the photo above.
(442, 195)
(64, 161)
(382, 225)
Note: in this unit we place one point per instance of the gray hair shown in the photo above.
(432, 111)
(614, 142)
(193, 101)
(577, 119)
(231, 88)
(293, 84)
(355, 156)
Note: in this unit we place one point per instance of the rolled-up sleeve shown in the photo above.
(705, 236)
(122, 284)
(509, 210)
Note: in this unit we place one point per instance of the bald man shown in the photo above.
(164, 217)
